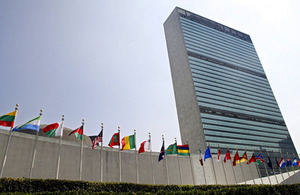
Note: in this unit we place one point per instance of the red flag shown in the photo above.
(145, 146)
(299, 163)
(219, 155)
(227, 156)
(115, 140)
(252, 159)
(236, 158)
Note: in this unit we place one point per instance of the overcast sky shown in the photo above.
(106, 60)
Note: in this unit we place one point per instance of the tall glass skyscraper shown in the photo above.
(222, 94)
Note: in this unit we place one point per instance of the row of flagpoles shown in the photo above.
(129, 142)
(254, 159)
(56, 129)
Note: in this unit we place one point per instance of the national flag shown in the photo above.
(219, 155)
(8, 119)
(269, 163)
(299, 163)
(162, 152)
(295, 162)
(236, 158)
(33, 124)
(259, 159)
(183, 150)
(227, 156)
(277, 163)
(55, 129)
(145, 146)
(288, 162)
(128, 142)
(200, 159)
(78, 133)
(252, 159)
(244, 158)
(172, 149)
(98, 139)
(281, 163)
(115, 140)
(207, 153)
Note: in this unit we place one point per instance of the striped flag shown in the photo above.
(98, 139)
(78, 133)
(281, 163)
(200, 159)
(8, 119)
(128, 142)
(33, 124)
(183, 150)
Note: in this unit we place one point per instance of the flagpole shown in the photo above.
(120, 165)
(8, 143)
(290, 160)
(204, 172)
(241, 168)
(293, 163)
(101, 155)
(279, 168)
(214, 172)
(266, 169)
(59, 150)
(202, 165)
(153, 179)
(272, 167)
(191, 163)
(166, 163)
(34, 149)
(232, 166)
(180, 177)
(249, 167)
(285, 166)
(258, 171)
(223, 167)
(136, 160)
(81, 153)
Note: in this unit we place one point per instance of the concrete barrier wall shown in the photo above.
(181, 170)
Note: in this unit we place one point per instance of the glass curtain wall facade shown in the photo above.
(237, 106)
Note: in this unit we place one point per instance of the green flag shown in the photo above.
(172, 149)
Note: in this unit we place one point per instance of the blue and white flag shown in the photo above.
(281, 163)
(33, 124)
(207, 153)
(295, 162)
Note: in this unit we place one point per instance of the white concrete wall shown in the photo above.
(21, 149)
